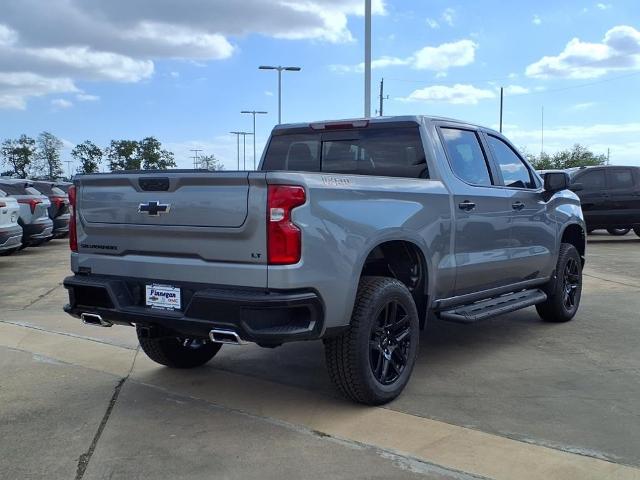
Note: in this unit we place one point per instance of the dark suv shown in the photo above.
(59, 209)
(610, 197)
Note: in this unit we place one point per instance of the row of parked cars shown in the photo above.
(610, 197)
(31, 213)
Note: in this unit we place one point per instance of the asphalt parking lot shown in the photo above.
(511, 397)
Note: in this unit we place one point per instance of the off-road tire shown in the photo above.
(555, 308)
(171, 352)
(618, 232)
(348, 355)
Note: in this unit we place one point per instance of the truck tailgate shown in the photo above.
(183, 220)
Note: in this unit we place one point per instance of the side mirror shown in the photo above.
(556, 181)
(576, 187)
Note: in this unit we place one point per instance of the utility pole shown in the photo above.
(367, 58)
(244, 143)
(608, 155)
(501, 97)
(279, 68)
(195, 157)
(254, 113)
(69, 162)
(382, 98)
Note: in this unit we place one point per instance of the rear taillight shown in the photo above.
(32, 202)
(2, 204)
(284, 239)
(59, 202)
(73, 234)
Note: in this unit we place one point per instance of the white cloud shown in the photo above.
(15, 88)
(448, 16)
(536, 20)
(119, 41)
(439, 59)
(603, 6)
(268, 93)
(458, 94)
(583, 106)
(61, 103)
(515, 90)
(618, 51)
(86, 97)
(431, 23)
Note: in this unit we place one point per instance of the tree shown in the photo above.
(89, 155)
(152, 156)
(577, 156)
(123, 155)
(210, 162)
(48, 155)
(18, 155)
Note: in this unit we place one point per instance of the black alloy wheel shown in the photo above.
(389, 343)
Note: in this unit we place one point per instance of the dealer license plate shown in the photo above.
(165, 297)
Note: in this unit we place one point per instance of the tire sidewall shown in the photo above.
(390, 291)
(570, 253)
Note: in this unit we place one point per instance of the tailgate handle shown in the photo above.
(154, 184)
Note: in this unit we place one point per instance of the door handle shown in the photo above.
(517, 205)
(466, 205)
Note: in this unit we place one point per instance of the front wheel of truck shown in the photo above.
(177, 352)
(372, 360)
(563, 294)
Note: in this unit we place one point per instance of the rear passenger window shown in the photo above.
(620, 178)
(514, 172)
(390, 152)
(466, 156)
(593, 180)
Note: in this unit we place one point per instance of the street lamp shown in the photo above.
(279, 69)
(244, 147)
(254, 113)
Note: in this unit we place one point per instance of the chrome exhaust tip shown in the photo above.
(218, 335)
(95, 320)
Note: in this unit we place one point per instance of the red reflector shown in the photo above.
(284, 239)
(73, 234)
(32, 202)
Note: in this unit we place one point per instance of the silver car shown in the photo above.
(34, 219)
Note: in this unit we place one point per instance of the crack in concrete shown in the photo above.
(85, 458)
(40, 297)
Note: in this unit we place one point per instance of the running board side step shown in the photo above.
(492, 307)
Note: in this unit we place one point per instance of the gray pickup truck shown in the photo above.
(355, 232)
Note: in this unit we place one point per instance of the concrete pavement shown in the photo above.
(508, 398)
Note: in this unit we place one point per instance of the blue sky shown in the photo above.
(182, 71)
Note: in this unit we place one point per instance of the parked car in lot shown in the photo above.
(10, 230)
(59, 209)
(356, 232)
(34, 219)
(610, 197)
(64, 186)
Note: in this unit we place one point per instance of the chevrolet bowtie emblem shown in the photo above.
(154, 208)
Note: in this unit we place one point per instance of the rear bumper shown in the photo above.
(37, 232)
(10, 237)
(61, 225)
(266, 317)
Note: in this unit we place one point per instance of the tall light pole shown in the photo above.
(254, 113)
(237, 134)
(280, 68)
(244, 147)
(367, 58)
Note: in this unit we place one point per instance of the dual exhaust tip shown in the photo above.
(217, 335)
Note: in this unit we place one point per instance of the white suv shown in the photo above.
(10, 231)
